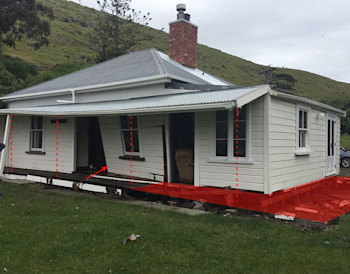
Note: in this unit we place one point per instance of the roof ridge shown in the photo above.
(158, 61)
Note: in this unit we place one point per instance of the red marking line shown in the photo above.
(320, 201)
(131, 148)
(97, 172)
(236, 151)
(57, 128)
(11, 143)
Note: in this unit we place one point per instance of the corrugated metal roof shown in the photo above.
(173, 67)
(156, 103)
(139, 64)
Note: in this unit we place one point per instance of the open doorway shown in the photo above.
(182, 147)
(90, 153)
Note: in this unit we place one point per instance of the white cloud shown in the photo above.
(312, 35)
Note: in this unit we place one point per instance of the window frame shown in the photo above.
(307, 149)
(138, 129)
(230, 137)
(31, 131)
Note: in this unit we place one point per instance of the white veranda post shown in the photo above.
(5, 141)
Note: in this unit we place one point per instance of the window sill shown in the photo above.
(241, 162)
(303, 152)
(134, 158)
(331, 174)
(36, 152)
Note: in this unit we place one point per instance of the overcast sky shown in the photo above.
(311, 35)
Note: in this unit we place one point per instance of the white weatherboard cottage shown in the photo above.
(283, 140)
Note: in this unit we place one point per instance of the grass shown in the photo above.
(42, 231)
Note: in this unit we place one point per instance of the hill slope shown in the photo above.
(69, 46)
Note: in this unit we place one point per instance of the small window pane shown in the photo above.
(239, 130)
(221, 130)
(302, 138)
(36, 139)
(221, 115)
(134, 122)
(305, 119)
(242, 113)
(239, 148)
(221, 148)
(127, 122)
(37, 122)
(131, 141)
(124, 122)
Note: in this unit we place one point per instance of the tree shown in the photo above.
(278, 79)
(117, 29)
(283, 81)
(19, 18)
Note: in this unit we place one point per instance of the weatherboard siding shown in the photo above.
(250, 176)
(47, 162)
(286, 168)
(151, 144)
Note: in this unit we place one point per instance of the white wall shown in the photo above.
(286, 168)
(47, 162)
(122, 94)
(250, 176)
(152, 146)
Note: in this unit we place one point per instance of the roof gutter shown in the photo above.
(297, 99)
(133, 83)
(153, 110)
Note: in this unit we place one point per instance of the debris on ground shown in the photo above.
(131, 238)
(172, 203)
(287, 216)
(198, 205)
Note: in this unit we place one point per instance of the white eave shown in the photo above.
(132, 83)
(193, 101)
(309, 102)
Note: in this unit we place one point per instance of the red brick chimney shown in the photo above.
(183, 39)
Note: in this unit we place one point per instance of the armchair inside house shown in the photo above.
(184, 164)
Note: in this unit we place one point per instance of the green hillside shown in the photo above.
(69, 50)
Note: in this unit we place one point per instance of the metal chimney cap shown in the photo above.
(180, 7)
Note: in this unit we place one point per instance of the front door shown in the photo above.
(182, 148)
(90, 153)
(331, 146)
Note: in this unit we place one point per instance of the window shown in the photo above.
(303, 127)
(231, 133)
(130, 135)
(36, 133)
(221, 133)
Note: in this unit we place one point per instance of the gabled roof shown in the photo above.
(143, 64)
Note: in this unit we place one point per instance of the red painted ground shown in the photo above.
(320, 201)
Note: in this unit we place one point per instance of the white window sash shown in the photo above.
(302, 130)
(230, 138)
(32, 135)
(137, 130)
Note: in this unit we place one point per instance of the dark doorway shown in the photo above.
(181, 140)
(90, 153)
